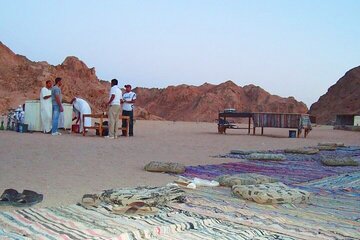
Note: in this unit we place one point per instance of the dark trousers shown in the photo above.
(131, 125)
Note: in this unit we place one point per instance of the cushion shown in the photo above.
(326, 148)
(165, 167)
(332, 144)
(302, 151)
(244, 179)
(266, 156)
(270, 193)
(245, 152)
(346, 161)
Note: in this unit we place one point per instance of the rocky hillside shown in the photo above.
(190, 103)
(341, 98)
(22, 79)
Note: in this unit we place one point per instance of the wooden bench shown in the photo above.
(101, 117)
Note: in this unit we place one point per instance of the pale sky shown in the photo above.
(287, 47)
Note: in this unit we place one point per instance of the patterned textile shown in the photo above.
(297, 168)
(348, 183)
(152, 196)
(330, 214)
(76, 222)
(282, 120)
(270, 193)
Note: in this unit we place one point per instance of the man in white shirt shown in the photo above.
(114, 109)
(81, 107)
(46, 107)
(128, 101)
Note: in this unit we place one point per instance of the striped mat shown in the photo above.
(329, 214)
(76, 222)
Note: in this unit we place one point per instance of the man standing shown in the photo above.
(114, 109)
(81, 107)
(57, 107)
(128, 101)
(46, 107)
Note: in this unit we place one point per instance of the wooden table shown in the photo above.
(224, 115)
(103, 116)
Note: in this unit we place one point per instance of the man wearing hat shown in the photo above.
(128, 101)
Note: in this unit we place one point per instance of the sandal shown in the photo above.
(8, 196)
(90, 200)
(135, 208)
(27, 198)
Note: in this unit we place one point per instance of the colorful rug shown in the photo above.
(297, 168)
(76, 222)
(329, 214)
(333, 211)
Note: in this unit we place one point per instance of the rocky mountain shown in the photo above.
(341, 98)
(190, 103)
(22, 79)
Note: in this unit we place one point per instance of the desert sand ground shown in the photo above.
(65, 167)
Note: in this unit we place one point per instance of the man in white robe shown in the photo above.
(81, 107)
(46, 107)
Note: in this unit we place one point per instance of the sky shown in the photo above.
(287, 47)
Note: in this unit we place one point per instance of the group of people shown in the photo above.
(51, 108)
(117, 99)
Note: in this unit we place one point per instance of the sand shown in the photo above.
(65, 167)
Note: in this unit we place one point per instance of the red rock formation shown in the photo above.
(22, 79)
(341, 98)
(189, 103)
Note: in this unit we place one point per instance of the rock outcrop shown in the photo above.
(190, 103)
(22, 79)
(341, 98)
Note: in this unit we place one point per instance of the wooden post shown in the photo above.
(127, 126)
(249, 126)
(83, 120)
(100, 127)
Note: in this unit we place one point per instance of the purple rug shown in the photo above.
(297, 168)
